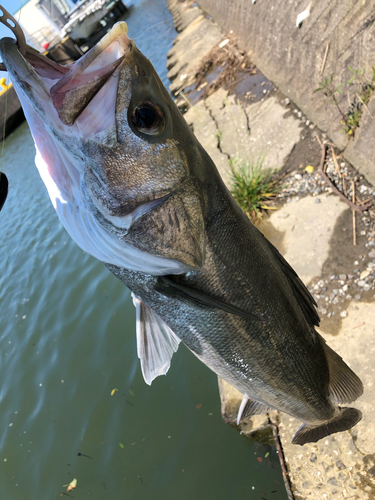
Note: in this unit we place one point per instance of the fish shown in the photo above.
(135, 189)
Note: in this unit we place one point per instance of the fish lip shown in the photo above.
(28, 73)
(84, 62)
(75, 90)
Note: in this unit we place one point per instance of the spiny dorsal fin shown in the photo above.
(344, 385)
(156, 342)
(249, 407)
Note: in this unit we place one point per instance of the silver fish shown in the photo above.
(135, 189)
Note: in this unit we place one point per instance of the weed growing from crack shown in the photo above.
(363, 90)
(252, 187)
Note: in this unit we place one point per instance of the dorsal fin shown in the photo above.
(156, 342)
(344, 385)
(300, 292)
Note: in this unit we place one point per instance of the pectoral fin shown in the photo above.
(171, 288)
(156, 342)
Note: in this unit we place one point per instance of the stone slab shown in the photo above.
(302, 231)
(206, 131)
(260, 132)
(191, 46)
(342, 465)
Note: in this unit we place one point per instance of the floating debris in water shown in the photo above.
(71, 485)
(4, 186)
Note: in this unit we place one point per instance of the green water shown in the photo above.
(67, 340)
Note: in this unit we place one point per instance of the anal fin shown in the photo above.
(346, 419)
(249, 407)
(156, 342)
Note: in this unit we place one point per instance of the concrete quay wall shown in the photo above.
(335, 36)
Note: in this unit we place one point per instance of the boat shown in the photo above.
(90, 15)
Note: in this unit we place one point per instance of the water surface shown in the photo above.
(70, 381)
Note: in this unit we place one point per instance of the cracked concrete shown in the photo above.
(342, 465)
(336, 37)
(260, 132)
(205, 129)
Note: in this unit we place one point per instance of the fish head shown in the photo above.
(122, 168)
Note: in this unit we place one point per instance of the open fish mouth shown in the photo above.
(89, 120)
(68, 89)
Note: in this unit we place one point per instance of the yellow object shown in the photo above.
(309, 169)
(4, 86)
(113, 391)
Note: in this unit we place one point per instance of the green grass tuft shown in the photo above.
(252, 187)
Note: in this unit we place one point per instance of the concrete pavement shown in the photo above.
(312, 229)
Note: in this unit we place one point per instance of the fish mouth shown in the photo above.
(78, 117)
(68, 89)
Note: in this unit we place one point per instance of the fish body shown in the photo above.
(134, 188)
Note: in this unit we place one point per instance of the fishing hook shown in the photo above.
(9, 21)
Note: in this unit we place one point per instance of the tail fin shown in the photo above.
(346, 419)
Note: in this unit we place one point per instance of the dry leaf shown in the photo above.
(199, 405)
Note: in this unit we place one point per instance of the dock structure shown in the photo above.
(60, 33)
(11, 113)
(312, 228)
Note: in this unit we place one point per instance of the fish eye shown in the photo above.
(148, 118)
